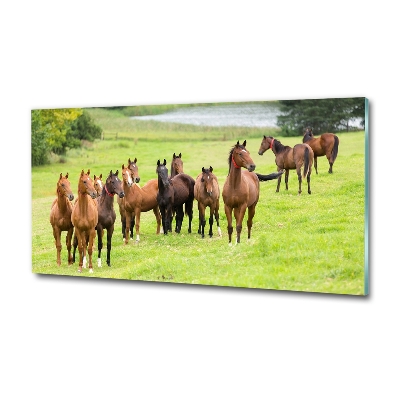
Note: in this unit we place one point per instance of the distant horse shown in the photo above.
(241, 190)
(206, 192)
(60, 216)
(176, 165)
(325, 145)
(98, 184)
(84, 218)
(287, 158)
(173, 194)
(138, 199)
(121, 201)
(106, 212)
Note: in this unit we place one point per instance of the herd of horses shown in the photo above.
(171, 195)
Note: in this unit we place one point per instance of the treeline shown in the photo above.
(57, 130)
(322, 115)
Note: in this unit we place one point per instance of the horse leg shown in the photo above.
(68, 242)
(287, 178)
(228, 213)
(202, 219)
(92, 235)
(85, 239)
(75, 245)
(132, 225)
(128, 219)
(79, 242)
(110, 232)
(299, 177)
(99, 244)
(157, 214)
(279, 183)
(211, 221)
(189, 211)
(251, 212)
(239, 215)
(315, 164)
(216, 213)
(57, 237)
(123, 223)
(308, 181)
(137, 224)
(179, 218)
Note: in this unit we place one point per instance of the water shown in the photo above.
(252, 114)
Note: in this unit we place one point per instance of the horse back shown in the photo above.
(183, 185)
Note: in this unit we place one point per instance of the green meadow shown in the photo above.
(299, 243)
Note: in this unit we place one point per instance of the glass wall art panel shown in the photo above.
(253, 195)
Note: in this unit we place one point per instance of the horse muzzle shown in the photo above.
(260, 152)
(121, 195)
(251, 167)
(137, 180)
(70, 197)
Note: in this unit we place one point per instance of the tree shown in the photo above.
(83, 128)
(322, 115)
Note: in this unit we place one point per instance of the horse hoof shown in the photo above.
(91, 270)
(219, 231)
(99, 262)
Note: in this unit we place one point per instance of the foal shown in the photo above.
(206, 192)
(84, 218)
(60, 216)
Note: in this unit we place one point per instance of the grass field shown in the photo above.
(302, 243)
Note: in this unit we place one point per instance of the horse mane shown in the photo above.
(279, 146)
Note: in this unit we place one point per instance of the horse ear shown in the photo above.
(60, 175)
(244, 144)
(110, 173)
(174, 156)
(66, 176)
(94, 177)
(123, 166)
(202, 169)
(211, 168)
(180, 155)
(116, 172)
(237, 144)
(158, 162)
(165, 161)
(88, 171)
(101, 175)
(82, 172)
(135, 160)
(265, 137)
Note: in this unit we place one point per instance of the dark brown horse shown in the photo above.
(173, 194)
(60, 216)
(325, 145)
(121, 201)
(106, 212)
(138, 199)
(241, 190)
(286, 158)
(176, 165)
(206, 192)
(84, 218)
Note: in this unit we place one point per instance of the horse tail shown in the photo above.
(269, 177)
(335, 149)
(189, 203)
(306, 161)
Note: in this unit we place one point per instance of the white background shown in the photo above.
(72, 338)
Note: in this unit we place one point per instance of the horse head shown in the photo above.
(208, 179)
(64, 187)
(266, 144)
(86, 185)
(177, 164)
(134, 169)
(162, 172)
(127, 175)
(98, 184)
(241, 157)
(114, 185)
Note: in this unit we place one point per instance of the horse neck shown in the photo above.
(62, 202)
(105, 199)
(235, 176)
(161, 186)
(83, 199)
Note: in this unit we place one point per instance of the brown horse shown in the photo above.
(176, 165)
(241, 190)
(84, 218)
(138, 199)
(106, 212)
(206, 192)
(287, 158)
(98, 184)
(173, 194)
(121, 201)
(60, 216)
(325, 145)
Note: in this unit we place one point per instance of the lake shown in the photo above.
(252, 114)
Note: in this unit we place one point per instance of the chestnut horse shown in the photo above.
(84, 218)
(106, 212)
(241, 190)
(173, 193)
(60, 216)
(138, 199)
(121, 201)
(176, 165)
(98, 184)
(206, 192)
(325, 145)
(287, 158)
